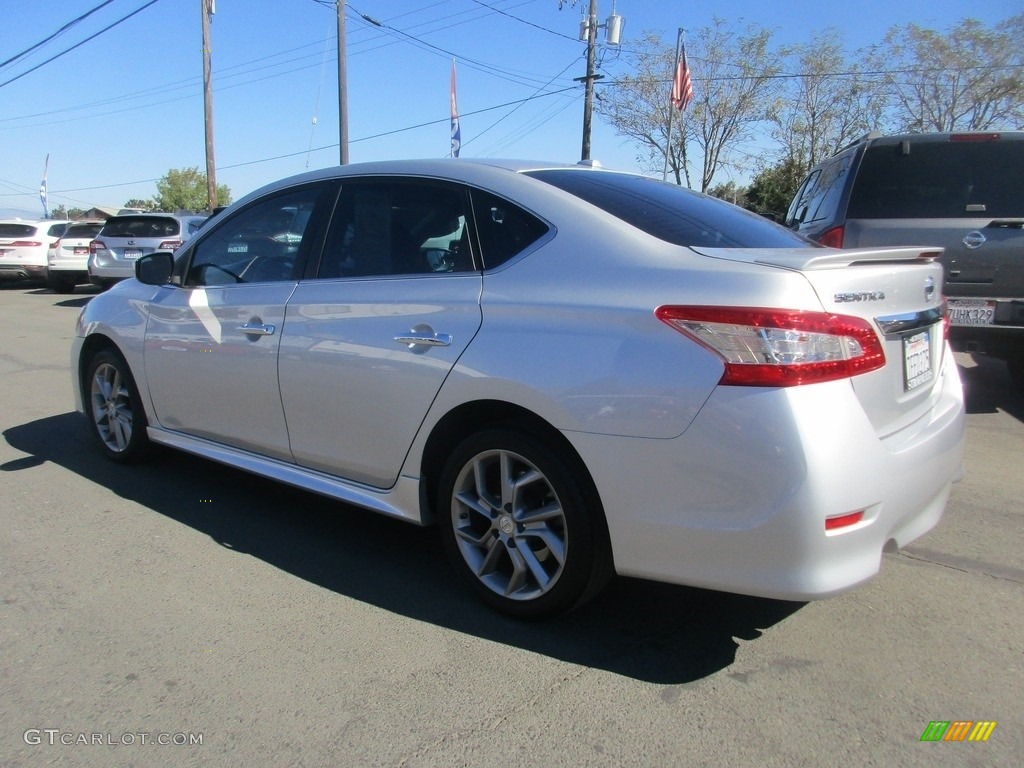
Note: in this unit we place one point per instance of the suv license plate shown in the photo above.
(971, 311)
(130, 254)
(917, 360)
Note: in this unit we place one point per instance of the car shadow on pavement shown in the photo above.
(988, 387)
(653, 632)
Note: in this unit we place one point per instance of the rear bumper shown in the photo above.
(738, 503)
(22, 272)
(105, 269)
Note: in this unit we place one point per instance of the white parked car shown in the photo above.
(573, 372)
(24, 245)
(68, 257)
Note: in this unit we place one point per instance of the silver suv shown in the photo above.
(958, 191)
(123, 239)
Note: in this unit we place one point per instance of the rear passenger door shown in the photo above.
(370, 338)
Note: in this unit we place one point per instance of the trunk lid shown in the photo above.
(898, 290)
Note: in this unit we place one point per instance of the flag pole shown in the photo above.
(671, 106)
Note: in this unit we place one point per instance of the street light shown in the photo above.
(588, 31)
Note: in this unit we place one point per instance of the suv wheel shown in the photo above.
(1016, 367)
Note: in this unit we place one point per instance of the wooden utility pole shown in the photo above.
(211, 173)
(342, 86)
(588, 90)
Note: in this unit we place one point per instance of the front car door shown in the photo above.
(212, 344)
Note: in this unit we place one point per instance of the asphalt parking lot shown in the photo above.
(180, 613)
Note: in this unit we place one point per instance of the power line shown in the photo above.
(56, 34)
(79, 45)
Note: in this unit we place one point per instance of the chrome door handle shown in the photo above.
(434, 340)
(256, 329)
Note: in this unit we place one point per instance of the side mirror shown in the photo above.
(155, 268)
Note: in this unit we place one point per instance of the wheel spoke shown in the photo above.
(474, 502)
(520, 569)
(552, 511)
(122, 428)
(537, 569)
(468, 535)
(490, 561)
(552, 540)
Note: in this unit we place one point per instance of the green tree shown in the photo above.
(731, 192)
(145, 205)
(60, 212)
(772, 189)
(969, 79)
(185, 189)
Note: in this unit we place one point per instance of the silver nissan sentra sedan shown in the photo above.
(572, 372)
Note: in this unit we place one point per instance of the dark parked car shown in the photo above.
(962, 192)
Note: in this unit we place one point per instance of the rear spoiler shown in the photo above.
(823, 258)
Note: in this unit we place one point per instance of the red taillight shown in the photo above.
(832, 238)
(843, 521)
(96, 245)
(25, 244)
(169, 245)
(780, 348)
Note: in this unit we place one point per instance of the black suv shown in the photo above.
(963, 192)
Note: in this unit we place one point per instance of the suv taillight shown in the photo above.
(832, 238)
(25, 244)
(169, 245)
(97, 245)
(778, 347)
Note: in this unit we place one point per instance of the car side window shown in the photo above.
(504, 229)
(397, 227)
(262, 243)
(822, 199)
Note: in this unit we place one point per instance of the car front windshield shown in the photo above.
(670, 212)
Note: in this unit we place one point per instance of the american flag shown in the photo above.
(682, 86)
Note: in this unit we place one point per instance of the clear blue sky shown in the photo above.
(117, 112)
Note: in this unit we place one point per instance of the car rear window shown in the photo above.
(83, 230)
(670, 212)
(16, 230)
(933, 180)
(142, 226)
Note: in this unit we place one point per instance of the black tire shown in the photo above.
(519, 527)
(60, 286)
(112, 405)
(1015, 365)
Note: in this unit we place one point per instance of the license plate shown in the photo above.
(81, 251)
(131, 254)
(971, 311)
(917, 360)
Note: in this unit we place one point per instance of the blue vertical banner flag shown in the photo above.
(456, 129)
(42, 187)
